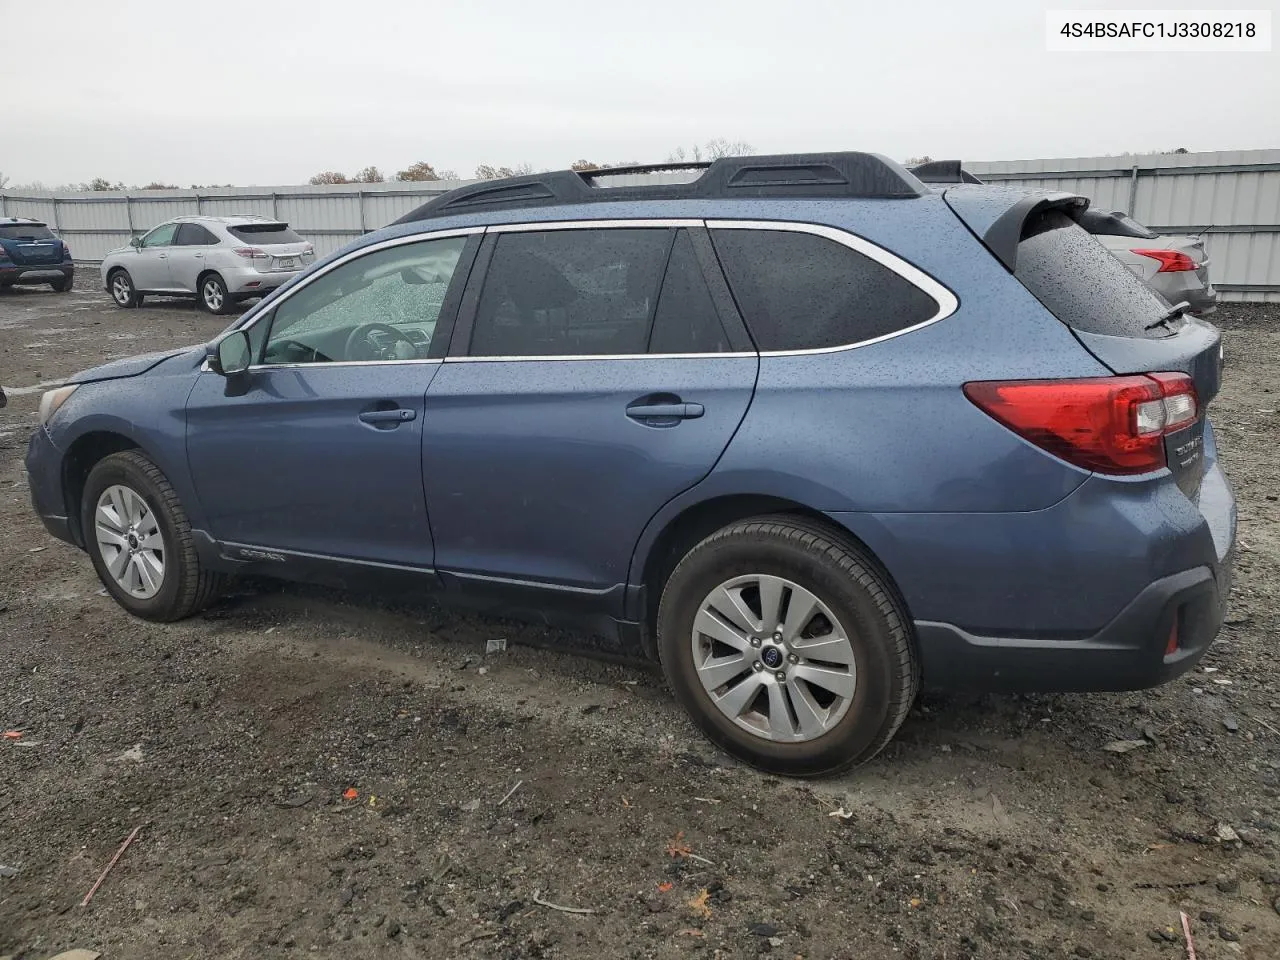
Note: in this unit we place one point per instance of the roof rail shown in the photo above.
(801, 175)
(943, 171)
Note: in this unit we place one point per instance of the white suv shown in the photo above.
(218, 260)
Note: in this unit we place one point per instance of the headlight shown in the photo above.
(52, 400)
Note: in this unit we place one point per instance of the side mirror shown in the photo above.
(135, 242)
(231, 355)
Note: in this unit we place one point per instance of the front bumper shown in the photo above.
(44, 478)
(36, 273)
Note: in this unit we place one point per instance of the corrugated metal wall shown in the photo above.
(330, 217)
(1232, 196)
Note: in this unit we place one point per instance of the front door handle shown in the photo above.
(665, 411)
(398, 415)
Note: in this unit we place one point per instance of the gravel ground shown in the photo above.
(991, 827)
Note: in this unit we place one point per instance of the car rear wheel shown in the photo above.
(214, 296)
(61, 286)
(787, 646)
(120, 285)
(139, 539)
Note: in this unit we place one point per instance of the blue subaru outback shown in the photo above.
(807, 432)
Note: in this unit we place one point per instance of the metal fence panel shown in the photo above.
(1231, 196)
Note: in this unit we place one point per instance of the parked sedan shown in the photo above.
(1175, 267)
(221, 261)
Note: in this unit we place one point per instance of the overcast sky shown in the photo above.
(272, 92)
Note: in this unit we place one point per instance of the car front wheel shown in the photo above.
(787, 646)
(139, 539)
(120, 285)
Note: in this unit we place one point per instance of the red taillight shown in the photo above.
(1171, 261)
(251, 253)
(1114, 425)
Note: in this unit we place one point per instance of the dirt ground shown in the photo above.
(490, 788)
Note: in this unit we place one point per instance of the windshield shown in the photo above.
(25, 231)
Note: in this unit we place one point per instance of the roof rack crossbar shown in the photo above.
(816, 175)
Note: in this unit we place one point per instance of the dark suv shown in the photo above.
(804, 430)
(31, 254)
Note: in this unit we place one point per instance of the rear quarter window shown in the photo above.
(800, 291)
(1082, 284)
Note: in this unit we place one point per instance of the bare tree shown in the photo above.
(449, 175)
(369, 175)
(102, 183)
(157, 185)
(583, 165)
(4, 181)
(713, 149)
(329, 176)
(418, 171)
(912, 161)
(487, 172)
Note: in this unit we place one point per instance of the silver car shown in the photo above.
(1176, 267)
(220, 261)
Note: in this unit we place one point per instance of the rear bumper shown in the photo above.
(36, 273)
(1186, 285)
(250, 283)
(1127, 654)
(1079, 596)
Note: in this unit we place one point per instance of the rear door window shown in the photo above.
(570, 293)
(1083, 284)
(800, 291)
(264, 233)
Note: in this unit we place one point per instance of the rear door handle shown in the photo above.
(665, 411)
(399, 415)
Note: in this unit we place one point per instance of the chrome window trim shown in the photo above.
(247, 322)
(656, 223)
(604, 356)
(947, 301)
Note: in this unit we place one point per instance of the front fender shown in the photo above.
(149, 412)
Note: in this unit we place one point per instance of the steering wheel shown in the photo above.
(291, 351)
(360, 338)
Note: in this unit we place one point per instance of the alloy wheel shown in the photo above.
(129, 540)
(773, 658)
(213, 295)
(121, 289)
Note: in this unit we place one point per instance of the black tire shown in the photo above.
(62, 286)
(120, 287)
(213, 295)
(851, 586)
(185, 588)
